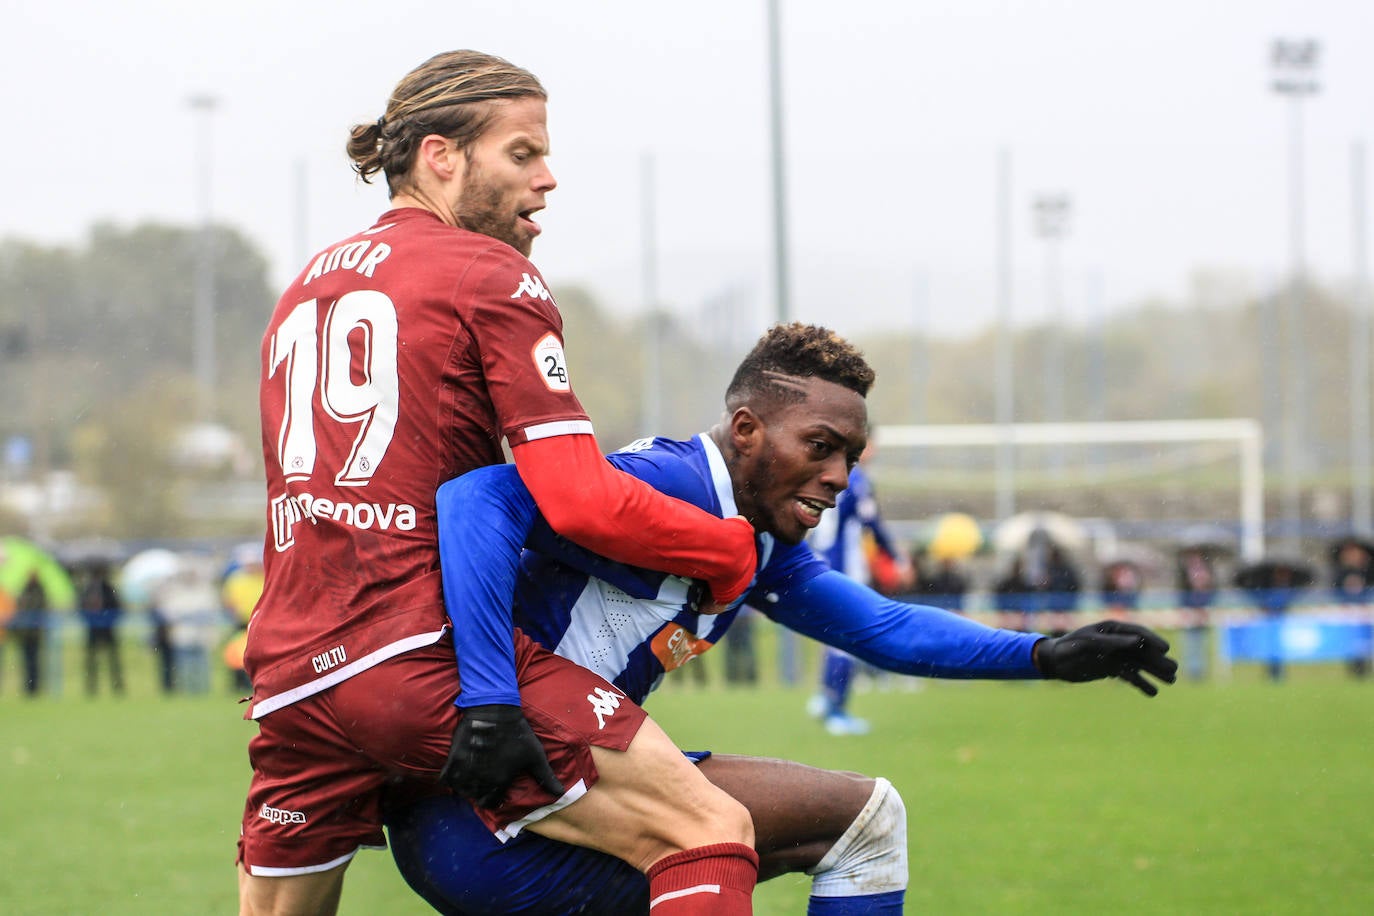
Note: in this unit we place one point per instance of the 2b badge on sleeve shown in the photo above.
(552, 364)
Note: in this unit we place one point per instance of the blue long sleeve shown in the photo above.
(905, 638)
(485, 517)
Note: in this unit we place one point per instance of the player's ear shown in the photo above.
(746, 430)
(441, 156)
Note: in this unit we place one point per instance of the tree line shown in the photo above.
(96, 344)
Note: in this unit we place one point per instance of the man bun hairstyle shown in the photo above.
(794, 351)
(449, 95)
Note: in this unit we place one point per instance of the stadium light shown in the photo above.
(203, 335)
(1294, 63)
(1052, 212)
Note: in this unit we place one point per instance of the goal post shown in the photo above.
(1246, 434)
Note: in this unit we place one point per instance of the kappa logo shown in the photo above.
(281, 815)
(604, 704)
(532, 287)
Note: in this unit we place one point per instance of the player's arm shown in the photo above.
(484, 517)
(613, 514)
(932, 642)
(519, 335)
(906, 638)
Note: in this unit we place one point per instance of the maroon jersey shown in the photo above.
(400, 358)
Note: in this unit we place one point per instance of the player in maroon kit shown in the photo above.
(398, 359)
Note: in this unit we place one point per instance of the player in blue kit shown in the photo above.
(795, 425)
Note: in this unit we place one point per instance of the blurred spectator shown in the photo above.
(1061, 586)
(741, 665)
(1121, 586)
(945, 586)
(1273, 586)
(29, 628)
(239, 595)
(160, 641)
(1197, 592)
(100, 608)
(1352, 582)
(190, 604)
(1013, 597)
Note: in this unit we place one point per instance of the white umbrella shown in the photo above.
(1013, 534)
(144, 572)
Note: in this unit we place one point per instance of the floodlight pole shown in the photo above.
(1005, 406)
(203, 339)
(651, 420)
(1295, 63)
(1361, 455)
(1051, 225)
(781, 287)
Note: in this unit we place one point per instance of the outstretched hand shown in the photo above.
(1108, 649)
(492, 747)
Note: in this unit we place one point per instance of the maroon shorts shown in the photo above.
(320, 765)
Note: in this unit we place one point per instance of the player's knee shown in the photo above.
(870, 857)
(715, 817)
(731, 820)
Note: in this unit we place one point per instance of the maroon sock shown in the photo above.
(715, 880)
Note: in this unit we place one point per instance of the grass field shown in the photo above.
(1225, 797)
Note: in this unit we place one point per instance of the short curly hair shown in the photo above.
(797, 350)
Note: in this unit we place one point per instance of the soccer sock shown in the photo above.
(888, 904)
(715, 880)
(866, 870)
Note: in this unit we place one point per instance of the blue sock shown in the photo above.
(886, 904)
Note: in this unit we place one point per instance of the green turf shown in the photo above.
(1226, 797)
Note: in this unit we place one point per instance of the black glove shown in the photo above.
(492, 747)
(1108, 649)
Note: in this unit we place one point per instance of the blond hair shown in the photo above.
(450, 94)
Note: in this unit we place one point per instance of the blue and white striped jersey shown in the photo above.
(632, 625)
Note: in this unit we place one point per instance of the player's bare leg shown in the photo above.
(798, 811)
(651, 807)
(845, 830)
(649, 802)
(297, 895)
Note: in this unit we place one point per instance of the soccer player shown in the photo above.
(795, 425)
(843, 540)
(399, 358)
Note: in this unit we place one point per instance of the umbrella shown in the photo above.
(21, 559)
(144, 572)
(1146, 559)
(1212, 540)
(87, 553)
(956, 537)
(1267, 573)
(1015, 533)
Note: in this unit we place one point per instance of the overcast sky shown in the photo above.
(1154, 116)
